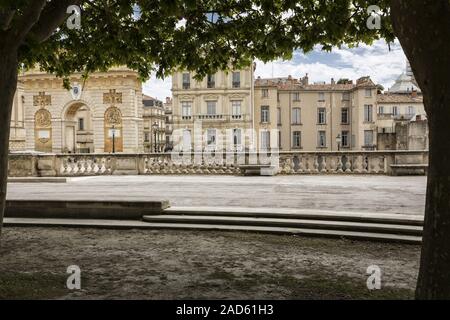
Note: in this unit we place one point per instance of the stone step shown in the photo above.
(293, 231)
(134, 224)
(287, 223)
(307, 214)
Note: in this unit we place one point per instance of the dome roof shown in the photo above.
(404, 84)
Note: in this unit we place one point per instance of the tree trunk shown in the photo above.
(8, 85)
(423, 28)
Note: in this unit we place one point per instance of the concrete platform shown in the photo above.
(37, 180)
(358, 194)
(83, 209)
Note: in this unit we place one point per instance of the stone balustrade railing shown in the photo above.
(346, 162)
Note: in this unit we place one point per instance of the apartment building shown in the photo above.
(315, 117)
(219, 107)
(168, 112)
(154, 125)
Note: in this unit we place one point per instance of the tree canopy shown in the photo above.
(202, 35)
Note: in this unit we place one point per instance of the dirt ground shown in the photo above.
(142, 264)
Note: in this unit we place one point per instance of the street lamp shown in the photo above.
(155, 127)
(338, 141)
(113, 132)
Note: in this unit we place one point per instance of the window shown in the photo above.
(296, 116)
(395, 110)
(346, 96)
(344, 116)
(236, 108)
(279, 116)
(237, 137)
(381, 110)
(296, 96)
(186, 80)
(265, 93)
(344, 139)
(321, 139)
(146, 137)
(368, 116)
(265, 114)
(211, 137)
(368, 138)
(411, 110)
(236, 79)
(296, 139)
(211, 81)
(81, 124)
(265, 140)
(186, 109)
(368, 93)
(322, 118)
(278, 97)
(211, 107)
(321, 96)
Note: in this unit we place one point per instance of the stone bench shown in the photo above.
(409, 169)
(258, 169)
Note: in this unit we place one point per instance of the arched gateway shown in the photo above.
(83, 121)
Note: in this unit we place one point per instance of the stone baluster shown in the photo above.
(340, 165)
(323, 164)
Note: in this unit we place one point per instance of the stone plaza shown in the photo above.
(361, 194)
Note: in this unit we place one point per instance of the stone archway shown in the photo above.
(113, 130)
(78, 134)
(43, 131)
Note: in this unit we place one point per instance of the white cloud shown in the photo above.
(376, 61)
(158, 88)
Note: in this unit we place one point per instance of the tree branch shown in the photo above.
(27, 20)
(6, 17)
(52, 17)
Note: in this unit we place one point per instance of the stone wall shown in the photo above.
(351, 162)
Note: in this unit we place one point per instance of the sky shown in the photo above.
(377, 61)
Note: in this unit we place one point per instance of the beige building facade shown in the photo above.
(212, 113)
(315, 117)
(102, 114)
(17, 132)
(154, 125)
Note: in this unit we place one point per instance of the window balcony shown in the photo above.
(211, 117)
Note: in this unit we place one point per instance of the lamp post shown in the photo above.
(113, 131)
(155, 127)
(338, 141)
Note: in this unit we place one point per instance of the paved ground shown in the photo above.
(143, 264)
(379, 194)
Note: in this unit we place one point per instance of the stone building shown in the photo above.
(154, 125)
(17, 132)
(402, 120)
(168, 112)
(315, 117)
(84, 119)
(219, 106)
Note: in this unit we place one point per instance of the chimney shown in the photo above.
(305, 80)
(332, 81)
